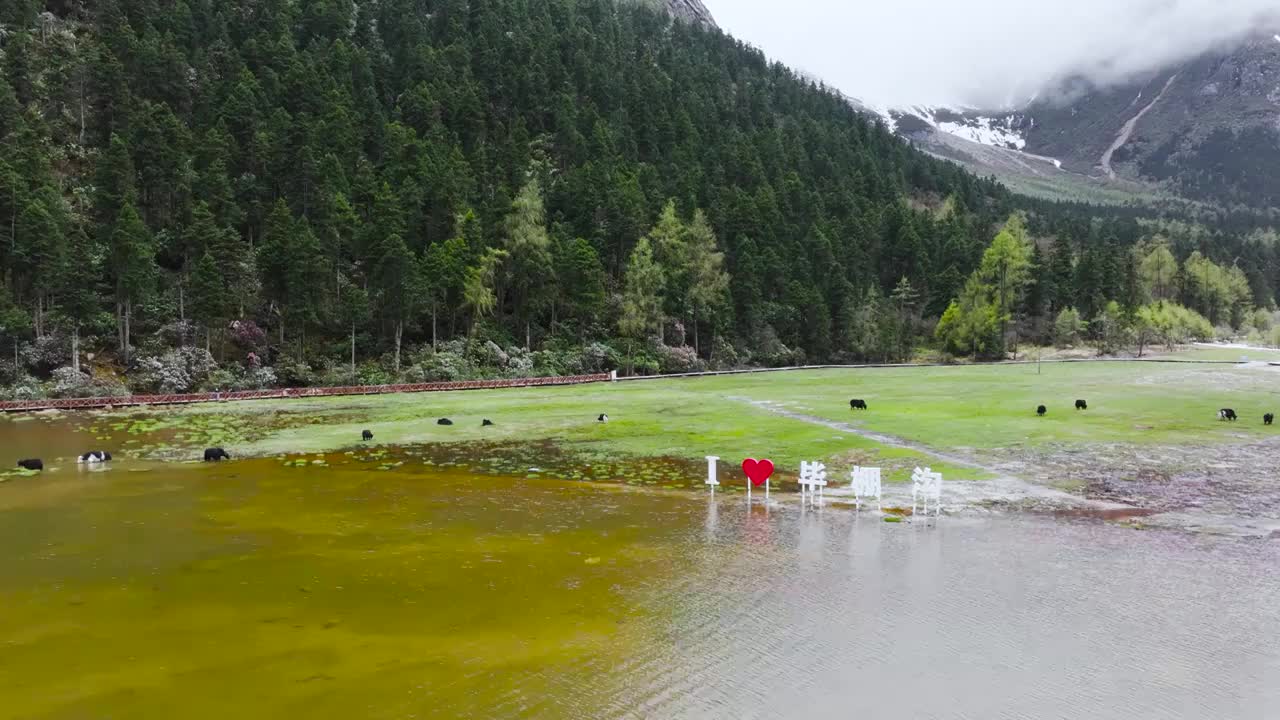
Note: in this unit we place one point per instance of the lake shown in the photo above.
(255, 589)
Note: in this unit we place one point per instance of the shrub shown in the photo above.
(260, 378)
(69, 382)
(519, 363)
(678, 360)
(593, 358)
(442, 366)
(26, 388)
(1068, 328)
(294, 373)
(65, 382)
(724, 356)
(247, 336)
(173, 334)
(551, 363)
(487, 354)
(46, 353)
(176, 371)
(222, 379)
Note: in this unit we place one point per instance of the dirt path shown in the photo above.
(1127, 131)
(1190, 488)
(1005, 488)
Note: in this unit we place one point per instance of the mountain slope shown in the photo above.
(1206, 129)
(691, 11)
(411, 172)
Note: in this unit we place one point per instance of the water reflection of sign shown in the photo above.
(758, 530)
(711, 471)
(926, 486)
(813, 478)
(866, 484)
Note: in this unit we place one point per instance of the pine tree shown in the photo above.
(353, 312)
(397, 288)
(77, 287)
(642, 296)
(133, 261)
(40, 250)
(530, 273)
(209, 301)
(705, 265)
(478, 289)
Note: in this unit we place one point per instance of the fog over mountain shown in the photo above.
(985, 53)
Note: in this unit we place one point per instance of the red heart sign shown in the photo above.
(758, 471)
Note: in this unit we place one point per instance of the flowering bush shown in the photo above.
(678, 360)
(233, 379)
(519, 363)
(67, 383)
(176, 371)
(594, 358)
(247, 336)
(443, 366)
(292, 373)
(26, 388)
(171, 335)
(46, 353)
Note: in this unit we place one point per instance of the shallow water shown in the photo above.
(252, 589)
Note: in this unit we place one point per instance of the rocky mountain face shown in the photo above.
(688, 10)
(1206, 129)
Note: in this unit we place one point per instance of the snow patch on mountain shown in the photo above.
(987, 131)
(998, 131)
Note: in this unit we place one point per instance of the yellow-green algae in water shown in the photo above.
(255, 589)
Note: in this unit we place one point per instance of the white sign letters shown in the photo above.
(813, 478)
(926, 486)
(866, 484)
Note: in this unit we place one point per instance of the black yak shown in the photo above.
(857, 404)
(1082, 405)
(1042, 410)
(366, 436)
(487, 423)
(216, 455)
(1268, 418)
(32, 464)
(444, 421)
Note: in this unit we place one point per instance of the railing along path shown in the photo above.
(291, 393)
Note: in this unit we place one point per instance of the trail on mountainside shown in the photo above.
(1127, 131)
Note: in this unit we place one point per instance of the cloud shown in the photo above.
(985, 52)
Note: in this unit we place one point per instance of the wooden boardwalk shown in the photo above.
(291, 393)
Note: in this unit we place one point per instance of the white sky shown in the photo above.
(983, 52)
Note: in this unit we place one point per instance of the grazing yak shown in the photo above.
(1268, 418)
(366, 436)
(32, 464)
(603, 418)
(94, 457)
(1227, 414)
(857, 404)
(215, 455)
(1042, 410)
(444, 421)
(487, 423)
(1082, 405)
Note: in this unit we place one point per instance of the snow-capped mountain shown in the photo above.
(1207, 129)
(999, 130)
